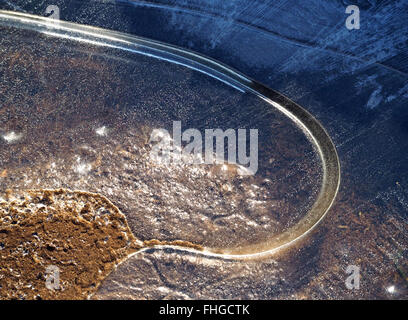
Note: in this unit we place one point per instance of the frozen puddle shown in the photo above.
(88, 119)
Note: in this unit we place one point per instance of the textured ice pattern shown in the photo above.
(355, 82)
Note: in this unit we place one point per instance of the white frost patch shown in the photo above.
(82, 167)
(252, 223)
(375, 98)
(163, 290)
(12, 137)
(102, 131)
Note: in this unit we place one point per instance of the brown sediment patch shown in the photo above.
(83, 234)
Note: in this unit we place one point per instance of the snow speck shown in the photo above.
(12, 137)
